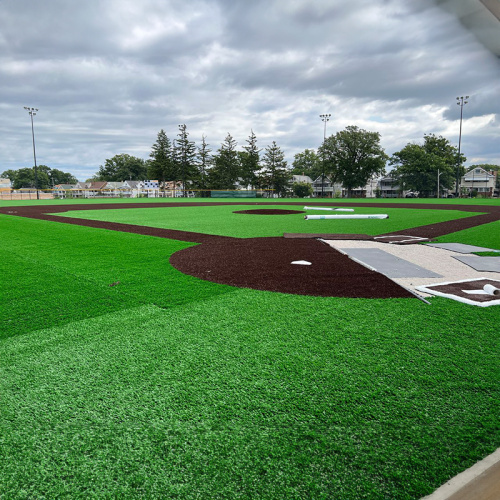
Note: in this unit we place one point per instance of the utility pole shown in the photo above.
(32, 113)
(324, 119)
(460, 102)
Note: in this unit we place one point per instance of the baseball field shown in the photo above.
(170, 350)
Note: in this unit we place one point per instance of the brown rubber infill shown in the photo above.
(266, 263)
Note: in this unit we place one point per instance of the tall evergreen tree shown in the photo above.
(250, 161)
(226, 170)
(205, 162)
(274, 173)
(162, 166)
(184, 155)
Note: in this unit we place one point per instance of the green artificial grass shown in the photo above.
(54, 273)
(488, 254)
(220, 220)
(487, 235)
(251, 395)
(385, 201)
(166, 386)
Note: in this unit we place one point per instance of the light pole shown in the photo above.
(32, 112)
(460, 102)
(324, 119)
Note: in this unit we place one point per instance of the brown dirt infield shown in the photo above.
(265, 263)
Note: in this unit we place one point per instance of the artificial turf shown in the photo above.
(222, 221)
(487, 235)
(251, 395)
(166, 386)
(56, 273)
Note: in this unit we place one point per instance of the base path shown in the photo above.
(265, 263)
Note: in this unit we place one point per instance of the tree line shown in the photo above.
(47, 177)
(180, 159)
(351, 157)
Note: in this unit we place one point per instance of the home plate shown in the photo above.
(478, 292)
(301, 262)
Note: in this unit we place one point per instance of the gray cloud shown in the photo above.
(108, 74)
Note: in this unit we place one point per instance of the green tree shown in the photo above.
(226, 169)
(204, 162)
(9, 174)
(274, 174)
(59, 177)
(121, 168)
(302, 189)
(184, 156)
(250, 161)
(43, 175)
(307, 163)
(352, 156)
(25, 177)
(417, 165)
(161, 166)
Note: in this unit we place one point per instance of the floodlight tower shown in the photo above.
(32, 113)
(324, 119)
(461, 101)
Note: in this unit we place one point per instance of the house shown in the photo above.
(62, 191)
(113, 189)
(478, 180)
(324, 187)
(301, 178)
(5, 186)
(371, 187)
(80, 189)
(150, 189)
(389, 186)
(90, 189)
(131, 189)
(172, 189)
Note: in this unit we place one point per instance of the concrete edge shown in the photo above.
(480, 482)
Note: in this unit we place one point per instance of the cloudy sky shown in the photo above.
(107, 75)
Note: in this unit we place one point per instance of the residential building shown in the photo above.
(113, 189)
(5, 185)
(63, 190)
(479, 180)
(150, 189)
(389, 186)
(91, 189)
(326, 188)
(301, 178)
(131, 189)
